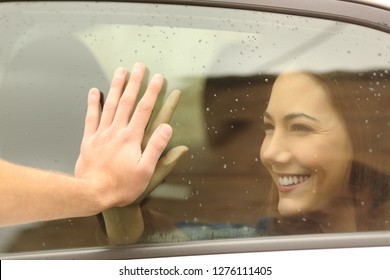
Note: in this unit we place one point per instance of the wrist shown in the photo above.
(95, 195)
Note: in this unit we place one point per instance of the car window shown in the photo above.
(259, 90)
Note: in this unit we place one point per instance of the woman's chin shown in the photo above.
(289, 211)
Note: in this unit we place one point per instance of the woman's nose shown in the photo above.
(274, 149)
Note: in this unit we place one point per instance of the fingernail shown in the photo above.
(157, 76)
(93, 91)
(120, 71)
(137, 67)
(165, 130)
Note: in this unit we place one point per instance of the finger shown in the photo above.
(156, 145)
(129, 96)
(113, 97)
(165, 114)
(163, 168)
(145, 107)
(93, 113)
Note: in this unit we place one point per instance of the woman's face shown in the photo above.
(306, 148)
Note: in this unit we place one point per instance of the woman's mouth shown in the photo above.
(291, 180)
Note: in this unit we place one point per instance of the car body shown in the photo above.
(53, 52)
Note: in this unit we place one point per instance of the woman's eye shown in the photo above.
(268, 127)
(301, 128)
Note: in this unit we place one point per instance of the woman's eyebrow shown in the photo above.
(299, 115)
(292, 116)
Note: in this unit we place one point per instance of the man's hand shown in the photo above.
(125, 225)
(112, 156)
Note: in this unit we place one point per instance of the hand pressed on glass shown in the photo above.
(111, 155)
(115, 163)
(124, 225)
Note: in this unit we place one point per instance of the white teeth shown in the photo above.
(292, 180)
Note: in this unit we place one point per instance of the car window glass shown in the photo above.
(226, 63)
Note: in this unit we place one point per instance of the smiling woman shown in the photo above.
(318, 149)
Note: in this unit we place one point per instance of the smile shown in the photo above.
(292, 180)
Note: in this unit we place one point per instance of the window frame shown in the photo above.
(359, 12)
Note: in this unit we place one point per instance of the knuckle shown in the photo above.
(91, 119)
(126, 101)
(158, 144)
(143, 107)
(110, 106)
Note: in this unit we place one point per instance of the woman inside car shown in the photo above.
(325, 150)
